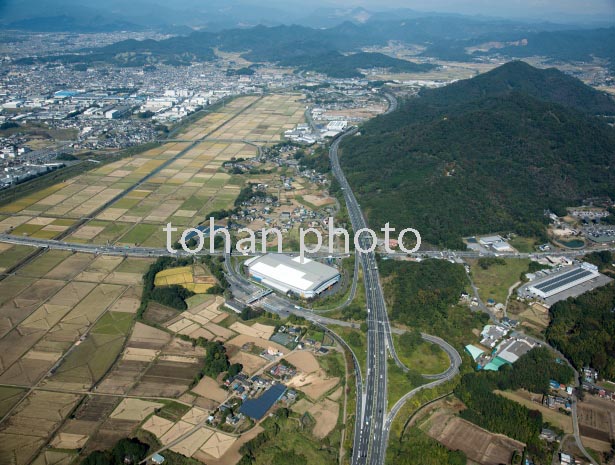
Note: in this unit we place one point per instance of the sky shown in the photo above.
(554, 10)
(506, 8)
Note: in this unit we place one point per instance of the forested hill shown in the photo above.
(490, 160)
(550, 85)
(335, 64)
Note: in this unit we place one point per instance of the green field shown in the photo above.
(493, 283)
(172, 411)
(427, 358)
(44, 263)
(523, 244)
(114, 323)
(318, 336)
(357, 343)
(134, 265)
(399, 383)
(14, 255)
(88, 362)
(9, 396)
(139, 234)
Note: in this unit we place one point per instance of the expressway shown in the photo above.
(372, 440)
(135, 251)
(370, 404)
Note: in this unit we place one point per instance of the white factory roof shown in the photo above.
(563, 280)
(501, 246)
(487, 240)
(514, 348)
(305, 276)
(337, 125)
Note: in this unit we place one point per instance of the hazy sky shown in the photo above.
(517, 8)
(603, 10)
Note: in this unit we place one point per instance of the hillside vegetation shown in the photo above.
(584, 329)
(483, 155)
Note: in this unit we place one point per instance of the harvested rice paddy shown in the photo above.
(190, 277)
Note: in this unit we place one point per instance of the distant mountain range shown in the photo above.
(447, 38)
(484, 155)
(118, 15)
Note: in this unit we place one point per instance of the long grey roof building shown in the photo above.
(285, 273)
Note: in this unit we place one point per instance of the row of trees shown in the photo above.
(125, 451)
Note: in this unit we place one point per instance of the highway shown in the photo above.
(134, 251)
(372, 439)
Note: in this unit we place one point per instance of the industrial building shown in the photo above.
(549, 287)
(497, 243)
(559, 282)
(287, 274)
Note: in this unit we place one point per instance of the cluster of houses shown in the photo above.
(227, 414)
(590, 377)
(496, 349)
(282, 371)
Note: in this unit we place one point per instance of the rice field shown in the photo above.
(47, 305)
(30, 425)
(186, 277)
(10, 255)
(265, 120)
(184, 192)
(89, 361)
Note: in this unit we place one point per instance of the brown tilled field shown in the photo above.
(304, 361)
(479, 445)
(325, 413)
(93, 408)
(159, 314)
(166, 379)
(251, 363)
(597, 419)
(110, 432)
(210, 389)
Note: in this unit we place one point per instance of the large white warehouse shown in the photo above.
(284, 273)
(559, 282)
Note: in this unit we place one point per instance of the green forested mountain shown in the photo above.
(483, 155)
(550, 85)
(337, 65)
